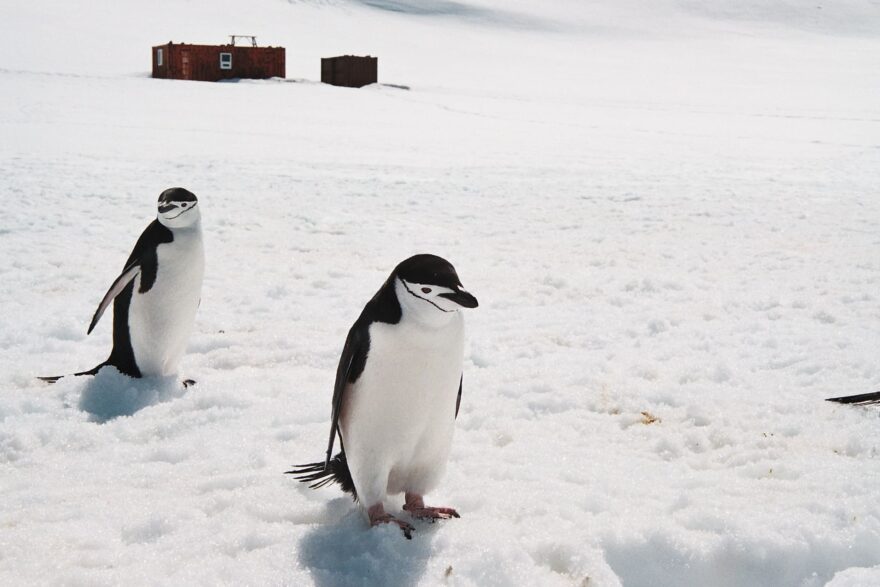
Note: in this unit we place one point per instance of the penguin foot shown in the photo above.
(188, 382)
(432, 513)
(378, 516)
(416, 507)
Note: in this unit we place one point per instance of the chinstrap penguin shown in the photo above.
(397, 393)
(156, 296)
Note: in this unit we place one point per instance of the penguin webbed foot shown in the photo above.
(378, 516)
(433, 514)
(416, 507)
(188, 383)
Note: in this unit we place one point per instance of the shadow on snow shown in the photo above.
(110, 394)
(345, 551)
(460, 10)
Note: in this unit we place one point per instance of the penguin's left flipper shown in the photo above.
(128, 274)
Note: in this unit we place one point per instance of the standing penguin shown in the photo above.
(397, 393)
(156, 296)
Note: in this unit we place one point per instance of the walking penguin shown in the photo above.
(156, 296)
(397, 393)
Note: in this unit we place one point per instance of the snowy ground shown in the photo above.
(668, 210)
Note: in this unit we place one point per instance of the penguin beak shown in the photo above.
(462, 298)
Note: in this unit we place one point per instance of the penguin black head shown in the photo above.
(429, 282)
(178, 208)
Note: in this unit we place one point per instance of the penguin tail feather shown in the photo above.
(319, 475)
(862, 398)
(53, 378)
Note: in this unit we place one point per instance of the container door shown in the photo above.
(185, 66)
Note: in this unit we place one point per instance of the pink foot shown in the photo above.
(378, 516)
(416, 507)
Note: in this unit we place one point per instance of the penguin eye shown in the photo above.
(426, 290)
(184, 204)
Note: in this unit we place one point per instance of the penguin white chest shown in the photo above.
(161, 319)
(399, 418)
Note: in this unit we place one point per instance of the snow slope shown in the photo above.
(668, 211)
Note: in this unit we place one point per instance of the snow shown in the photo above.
(668, 211)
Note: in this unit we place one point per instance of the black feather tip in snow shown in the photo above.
(319, 475)
(53, 378)
(863, 398)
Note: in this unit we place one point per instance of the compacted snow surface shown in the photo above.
(668, 210)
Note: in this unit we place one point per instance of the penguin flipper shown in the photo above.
(128, 274)
(351, 365)
(458, 399)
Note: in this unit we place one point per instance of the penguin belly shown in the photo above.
(161, 320)
(397, 422)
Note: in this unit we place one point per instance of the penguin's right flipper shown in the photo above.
(351, 365)
(128, 274)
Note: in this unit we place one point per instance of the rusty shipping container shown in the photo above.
(351, 71)
(211, 63)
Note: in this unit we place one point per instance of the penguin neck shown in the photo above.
(189, 230)
(421, 312)
(189, 221)
(194, 227)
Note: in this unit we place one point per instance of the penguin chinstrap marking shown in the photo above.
(397, 393)
(157, 294)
